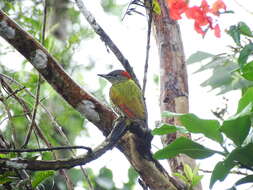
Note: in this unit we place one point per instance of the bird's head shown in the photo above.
(116, 76)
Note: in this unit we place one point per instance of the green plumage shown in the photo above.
(127, 96)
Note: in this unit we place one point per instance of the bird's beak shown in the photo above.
(102, 75)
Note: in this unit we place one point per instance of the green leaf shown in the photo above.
(196, 180)
(40, 176)
(245, 53)
(209, 128)
(220, 171)
(105, 178)
(218, 60)
(243, 155)
(198, 56)
(156, 7)
(132, 175)
(182, 177)
(245, 100)
(186, 146)
(247, 71)
(238, 124)
(188, 172)
(234, 32)
(247, 179)
(244, 29)
(167, 129)
(237, 129)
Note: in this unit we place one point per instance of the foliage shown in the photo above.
(189, 176)
(229, 71)
(112, 7)
(236, 129)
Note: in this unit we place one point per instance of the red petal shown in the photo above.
(204, 6)
(217, 31)
(219, 4)
(177, 7)
(198, 29)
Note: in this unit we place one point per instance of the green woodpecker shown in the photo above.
(126, 95)
(128, 101)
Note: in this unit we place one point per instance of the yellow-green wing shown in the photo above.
(128, 98)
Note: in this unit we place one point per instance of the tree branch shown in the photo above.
(150, 15)
(118, 131)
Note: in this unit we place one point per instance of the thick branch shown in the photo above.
(150, 171)
(117, 132)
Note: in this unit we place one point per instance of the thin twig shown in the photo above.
(33, 114)
(4, 150)
(9, 115)
(147, 47)
(105, 38)
(231, 172)
(14, 92)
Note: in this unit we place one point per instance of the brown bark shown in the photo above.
(101, 116)
(173, 77)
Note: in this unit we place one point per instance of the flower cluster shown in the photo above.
(202, 15)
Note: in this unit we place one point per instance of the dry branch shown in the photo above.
(117, 132)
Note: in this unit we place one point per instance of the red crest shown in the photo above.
(126, 74)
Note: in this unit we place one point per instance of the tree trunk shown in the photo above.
(173, 78)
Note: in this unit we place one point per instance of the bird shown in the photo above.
(126, 96)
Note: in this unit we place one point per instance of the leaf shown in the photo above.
(244, 29)
(247, 71)
(243, 155)
(132, 175)
(220, 171)
(245, 53)
(167, 129)
(188, 172)
(186, 146)
(198, 56)
(237, 129)
(209, 128)
(40, 176)
(196, 180)
(245, 100)
(181, 176)
(247, 179)
(105, 178)
(218, 60)
(234, 32)
(156, 7)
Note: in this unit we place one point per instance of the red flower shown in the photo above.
(177, 7)
(204, 5)
(219, 4)
(198, 15)
(217, 31)
(202, 21)
(198, 29)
